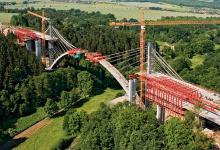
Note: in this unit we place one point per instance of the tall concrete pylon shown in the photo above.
(150, 59)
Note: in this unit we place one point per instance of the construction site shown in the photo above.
(150, 79)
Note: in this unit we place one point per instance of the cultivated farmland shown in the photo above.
(120, 11)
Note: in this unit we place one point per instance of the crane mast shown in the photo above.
(43, 23)
(142, 58)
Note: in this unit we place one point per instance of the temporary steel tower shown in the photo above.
(43, 23)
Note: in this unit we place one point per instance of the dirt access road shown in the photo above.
(21, 137)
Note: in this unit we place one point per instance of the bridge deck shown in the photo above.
(47, 37)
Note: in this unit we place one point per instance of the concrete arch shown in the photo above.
(108, 66)
(56, 62)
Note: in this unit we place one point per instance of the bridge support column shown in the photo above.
(149, 67)
(28, 45)
(50, 47)
(50, 44)
(132, 90)
(160, 114)
(150, 59)
(38, 48)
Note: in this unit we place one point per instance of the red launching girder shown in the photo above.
(95, 57)
(73, 51)
(171, 94)
(193, 95)
(172, 101)
(25, 34)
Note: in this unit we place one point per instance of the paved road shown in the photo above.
(118, 100)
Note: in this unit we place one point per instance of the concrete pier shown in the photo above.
(38, 48)
(28, 45)
(160, 114)
(132, 90)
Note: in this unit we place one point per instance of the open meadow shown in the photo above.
(54, 131)
(161, 5)
(119, 10)
(6, 17)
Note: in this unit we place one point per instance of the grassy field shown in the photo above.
(120, 11)
(49, 135)
(6, 17)
(165, 6)
(197, 60)
(46, 137)
(24, 122)
(93, 103)
(217, 46)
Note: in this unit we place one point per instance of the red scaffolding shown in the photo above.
(95, 57)
(24, 34)
(73, 51)
(172, 94)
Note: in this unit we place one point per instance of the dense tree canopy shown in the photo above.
(15, 63)
(127, 127)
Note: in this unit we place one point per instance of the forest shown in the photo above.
(25, 86)
(127, 127)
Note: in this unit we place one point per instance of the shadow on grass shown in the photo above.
(10, 121)
(62, 113)
(12, 144)
(75, 105)
(80, 103)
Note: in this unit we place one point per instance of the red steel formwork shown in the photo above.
(193, 95)
(95, 57)
(160, 94)
(171, 94)
(73, 51)
(25, 34)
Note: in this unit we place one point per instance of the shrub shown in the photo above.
(62, 143)
(74, 121)
(119, 94)
(50, 107)
(11, 132)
